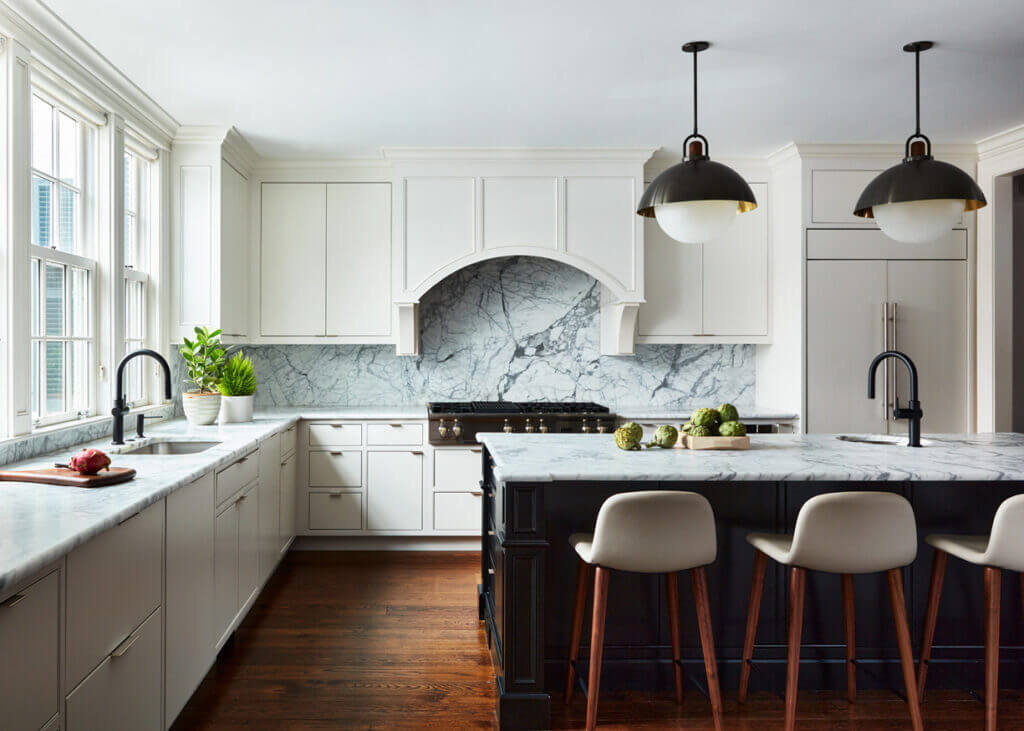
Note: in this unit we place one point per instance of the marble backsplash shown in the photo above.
(518, 328)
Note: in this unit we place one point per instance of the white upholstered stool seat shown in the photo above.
(655, 532)
(843, 533)
(1002, 549)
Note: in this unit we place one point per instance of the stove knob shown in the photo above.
(529, 427)
(586, 427)
(442, 430)
(542, 427)
(456, 429)
(602, 428)
(507, 428)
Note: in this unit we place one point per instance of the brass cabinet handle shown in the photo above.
(124, 646)
(396, 426)
(12, 601)
(478, 493)
(335, 493)
(490, 533)
(335, 454)
(241, 498)
(417, 452)
(490, 571)
(476, 450)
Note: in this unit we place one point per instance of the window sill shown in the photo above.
(56, 429)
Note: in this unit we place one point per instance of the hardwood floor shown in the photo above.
(392, 641)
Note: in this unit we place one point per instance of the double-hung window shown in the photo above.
(136, 271)
(63, 267)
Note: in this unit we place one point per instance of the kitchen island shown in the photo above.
(538, 489)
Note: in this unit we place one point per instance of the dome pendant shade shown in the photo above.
(918, 222)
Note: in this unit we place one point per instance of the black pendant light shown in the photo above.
(921, 198)
(697, 199)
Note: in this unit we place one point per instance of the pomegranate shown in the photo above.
(89, 462)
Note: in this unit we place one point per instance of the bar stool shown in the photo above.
(1002, 549)
(651, 532)
(842, 533)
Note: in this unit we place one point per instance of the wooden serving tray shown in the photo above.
(717, 442)
(64, 476)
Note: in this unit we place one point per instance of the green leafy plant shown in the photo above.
(238, 378)
(204, 359)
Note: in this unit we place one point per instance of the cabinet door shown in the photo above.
(336, 469)
(248, 545)
(930, 300)
(269, 504)
(234, 252)
(29, 629)
(735, 285)
(359, 259)
(394, 490)
(600, 224)
(458, 470)
(189, 604)
(440, 224)
(672, 285)
(293, 236)
(287, 521)
(225, 570)
(844, 332)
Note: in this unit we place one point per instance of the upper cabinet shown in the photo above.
(210, 169)
(324, 260)
(712, 292)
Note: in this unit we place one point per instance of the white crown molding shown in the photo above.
(233, 145)
(62, 50)
(351, 163)
(240, 151)
(1001, 143)
(511, 154)
(862, 150)
(784, 154)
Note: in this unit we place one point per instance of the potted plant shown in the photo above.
(204, 359)
(237, 388)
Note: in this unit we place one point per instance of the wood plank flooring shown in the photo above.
(391, 641)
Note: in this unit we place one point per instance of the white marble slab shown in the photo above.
(682, 414)
(772, 457)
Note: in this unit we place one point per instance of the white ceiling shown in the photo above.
(326, 79)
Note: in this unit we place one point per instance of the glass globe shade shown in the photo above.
(696, 222)
(918, 222)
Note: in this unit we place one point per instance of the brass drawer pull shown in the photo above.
(478, 493)
(336, 454)
(490, 533)
(490, 571)
(13, 601)
(396, 426)
(335, 493)
(477, 450)
(124, 646)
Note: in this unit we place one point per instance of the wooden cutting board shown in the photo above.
(64, 476)
(717, 442)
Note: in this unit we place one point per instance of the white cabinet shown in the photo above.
(713, 292)
(394, 434)
(335, 510)
(248, 546)
(293, 249)
(287, 516)
(520, 211)
(269, 505)
(210, 231)
(458, 470)
(457, 511)
(189, 592)
(325, 261)
(29, 632)
(336, 468)
(394, 490)
(225, 571)
(601, 226)
(440, 225)
(335, 435)
(123, 693)
(233, 478)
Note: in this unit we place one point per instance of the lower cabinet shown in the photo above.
(189, 594)
(335, 510)
(457, 511)
(286, 523)
(457, 493)
(269, 505)
(29, 670)
(124, 691)
(236, 558)
(394, 490)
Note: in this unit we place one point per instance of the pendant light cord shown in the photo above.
(917, 90)
(695, 94)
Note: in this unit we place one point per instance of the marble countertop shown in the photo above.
(682, 414)
(41, 523)
(771, 457)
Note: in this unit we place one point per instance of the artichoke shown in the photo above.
(728, 412)
(701, 431)
(665, 437)
(687, 426)
(635, 429)
(626, 438)
(706, 417)
(732, 429)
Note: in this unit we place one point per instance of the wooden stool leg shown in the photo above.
(601, 576)
(993, 582)
(851, 638)
(899, 615)
(707, 641)
(672, 590)
(582, 578)
(930, 618)
(753, 610)
(797, 578)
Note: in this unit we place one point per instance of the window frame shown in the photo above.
(145, 250)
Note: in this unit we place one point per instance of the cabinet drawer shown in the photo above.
(834, 243)
(382, 435)
(335, 435)
(29, 628)
(124, 691)
(457, 511)
(113, 583)
(288, 440)
(457, 470)
(336, 469)
(237, 476)
(335, 510)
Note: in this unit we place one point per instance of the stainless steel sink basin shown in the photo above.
(170, 447)
(892, 441)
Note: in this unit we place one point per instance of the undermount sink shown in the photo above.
(892, 441)
(170, 447)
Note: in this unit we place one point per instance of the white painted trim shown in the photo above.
(1002, 143)
(297, 166)
(234, 148)
(809, 151)
(525, 154)
(385, 543)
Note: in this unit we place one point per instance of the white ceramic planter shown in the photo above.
(201, 408)
(236, 409)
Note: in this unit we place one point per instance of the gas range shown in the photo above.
(458, 422)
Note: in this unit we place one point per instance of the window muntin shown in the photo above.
(136, 275)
